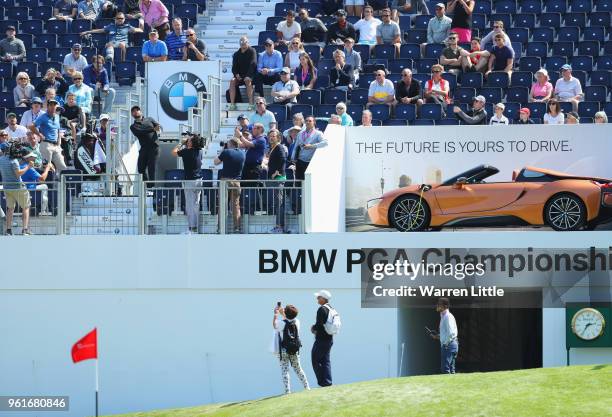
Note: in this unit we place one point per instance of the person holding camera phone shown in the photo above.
(194, 49)
(233, 159)
(287, 343)
(190, 150)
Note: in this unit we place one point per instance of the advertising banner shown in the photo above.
(173, 87)
(426, 164)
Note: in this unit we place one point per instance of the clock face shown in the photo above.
(588, 324)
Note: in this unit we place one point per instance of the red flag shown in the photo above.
(86, 348)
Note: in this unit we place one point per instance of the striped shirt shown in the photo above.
(175, 45)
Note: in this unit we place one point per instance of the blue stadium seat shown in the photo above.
(566, 106)
(582, 6)
(537, 109)
(355, 110)
(452, 80)
(132, 53)
(447, 122)
(279, 110)
(568, 34)
(38, 54)
(575, 19)
(554, 63)
(422, 21)
(424, 65)
(405, 111)
(530, 63)
(590, 48)
(305, 109)
(595, 33)
(46, 40)
(521, 79)
(524, 20)
(80, 25)
(498, 79)
(492, 94)
(6, 99)
(324, 66)
(531, 6)
(189, 11)
(550, 20)
(410, 50)
(596, 93)
(266, 34)
(364, 51)
(601, 77)
(30, 67)
(537, 48)
(58, 54)
(313, 7)
(581, 75)
(69, 39)
(281, 9)
(394, 77)
(504, 17)
(422, 78)
(588, 108)
(471, 79)
(518, 34)
(359, 96)
(464, 94)
(479, 21)
(607, 48)
(416, 36)
(425, 122)
(397, 65)
(483, 7)
(608, 110)
(505, 6)
(273, 21)
(17, 13)
(32, 26)
(384, 51)
(582, 63)
(543, 34)
(395, 122)
(405, 23)
(314, 51)
(565, 49)
(434, 50)
(512, 110)
(375, 64)
(604, 62)
(599, 19)
(517, 94)
(6, 71)
(56, 26)
(558, 6)
(322, 82)
(125, 72)
(44, 66)
(325, 110)
(379, 111)
(431, 111)
(328, 51)
(311, 97)
(334, 96)
(41, 12)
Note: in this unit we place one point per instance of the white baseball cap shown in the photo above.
(104, 116)
(324, 293)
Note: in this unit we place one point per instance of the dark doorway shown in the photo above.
(490, 339)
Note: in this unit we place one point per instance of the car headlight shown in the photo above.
(373, 202)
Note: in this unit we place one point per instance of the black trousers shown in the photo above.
(321, 362)
(261, 79)
(251, 173)
(300, 169)
(147, 161)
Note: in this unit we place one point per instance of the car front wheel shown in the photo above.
(565, 212)
(409, 213)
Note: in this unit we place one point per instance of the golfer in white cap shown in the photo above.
(323, 340)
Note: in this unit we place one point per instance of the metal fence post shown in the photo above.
(142, 201)
(61, 206)
(222, 206)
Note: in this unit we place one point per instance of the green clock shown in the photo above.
(586, 325)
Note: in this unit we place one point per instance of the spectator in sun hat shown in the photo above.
(568, 88)
(499, 118)
(524, 118)
(29, 116)
(572, 118)
(323, 341)
(541, 90)
(478, 114)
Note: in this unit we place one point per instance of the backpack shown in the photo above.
(333, 323)
(291, 339)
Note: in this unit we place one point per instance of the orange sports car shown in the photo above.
(535, 196)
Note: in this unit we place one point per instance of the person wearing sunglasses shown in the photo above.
(24, 91)
(82, 92)
(502, 57)
(292, 58)
(154, 49)
(438, 26)
(454, 58)
(244, 67)
(118, 33)
(176, 40)
(388, 32)
(269, 66)
(195, 49)
(381, 91)
(367, 27)
(340, 29)
(73, 61)
(437, 89)
(476, 116)
(488, 41)
(313, 30)
(288, 30)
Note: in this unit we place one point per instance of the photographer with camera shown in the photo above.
(14, 189)
(195, 49)
(287, 343)
(190, 151)
(33, 177)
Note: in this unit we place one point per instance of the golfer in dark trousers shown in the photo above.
(449, 346)
(323, 342)
(146, 129)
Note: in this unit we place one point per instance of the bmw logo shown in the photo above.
(179, 92)
(258, 13)
(250, 27)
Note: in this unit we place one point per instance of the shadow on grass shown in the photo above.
(599, 367)
(243, 403)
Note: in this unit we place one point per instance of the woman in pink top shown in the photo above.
(155, 14)
(542, 90)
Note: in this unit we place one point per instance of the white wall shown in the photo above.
(325, 185)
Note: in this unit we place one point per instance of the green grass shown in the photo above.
(570, 391)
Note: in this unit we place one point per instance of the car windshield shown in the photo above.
(474, 175)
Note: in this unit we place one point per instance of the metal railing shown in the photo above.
(124, 204)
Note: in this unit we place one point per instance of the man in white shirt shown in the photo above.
(288, 29)
(15, 131)
(499, 118)
(382, 91)
(367, 27)
(449, 345)
(568, 88)
(286, 90)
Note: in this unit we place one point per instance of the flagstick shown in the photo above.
(97, 387)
